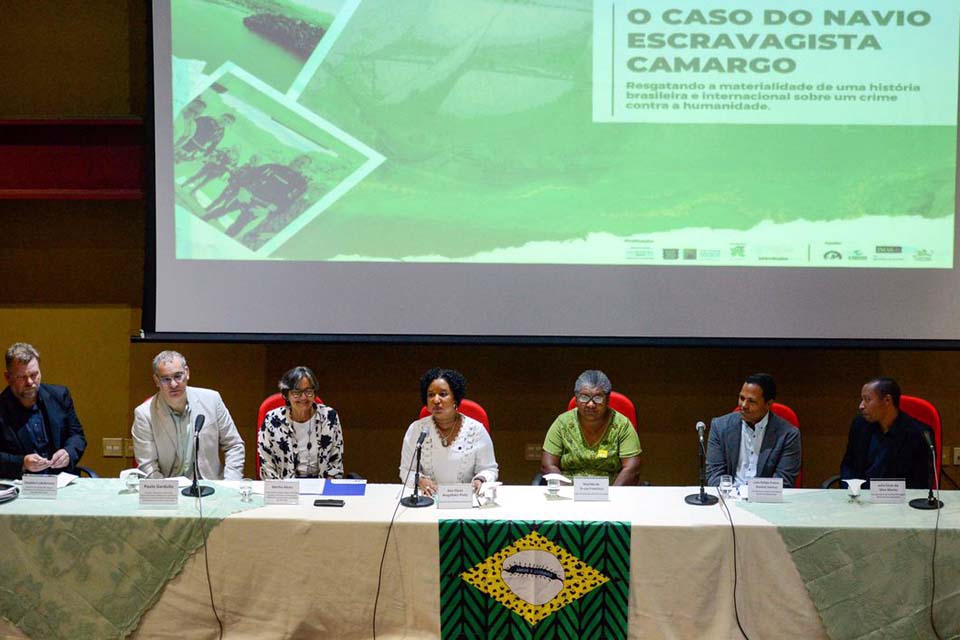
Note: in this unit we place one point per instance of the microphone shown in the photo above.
(416, 500)
(701, 499)
(196, 490)
(931, 501)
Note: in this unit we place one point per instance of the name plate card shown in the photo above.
(591, 488)
(765, 489)
(455, 496)
(281, 492)
(40, 486)
(159, 493)
(888, 491)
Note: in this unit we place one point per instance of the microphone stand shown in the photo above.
(702, 499)
(416, 500)
(196, 490)
(930, 502)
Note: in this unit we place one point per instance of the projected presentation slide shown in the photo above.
(815, 134)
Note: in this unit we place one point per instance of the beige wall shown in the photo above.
(71, 282)
(87, 349)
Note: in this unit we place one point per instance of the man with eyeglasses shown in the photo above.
(753, 442)
(163, 427)
(39, 428)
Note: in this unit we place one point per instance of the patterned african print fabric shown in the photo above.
(534, 579)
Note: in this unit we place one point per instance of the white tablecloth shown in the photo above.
(308, 572)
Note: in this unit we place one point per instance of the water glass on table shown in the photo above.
(246, 490)
(553, 486)
(132, 483)
(726, 486)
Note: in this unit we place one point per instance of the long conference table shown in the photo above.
(816, 566)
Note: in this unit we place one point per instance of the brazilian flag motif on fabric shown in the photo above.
(534, 579)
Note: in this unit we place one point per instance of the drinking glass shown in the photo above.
(132, 483)
(553, 486)
(853, 488)
(246, 490)
(726, 486)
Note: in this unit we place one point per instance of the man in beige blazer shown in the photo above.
(164, 427)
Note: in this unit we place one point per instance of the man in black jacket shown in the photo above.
(39, 428)
(884, 442)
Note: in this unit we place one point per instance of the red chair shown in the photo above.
(620, 403)
(921, 410)
(926, 413)
(272, 402)
(790, 416)
(470, 409)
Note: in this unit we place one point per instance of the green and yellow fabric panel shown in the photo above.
(534, 579)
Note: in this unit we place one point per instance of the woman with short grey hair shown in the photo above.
(592, 439)
(592, 378)
(303, 438)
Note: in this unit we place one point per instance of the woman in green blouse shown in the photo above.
(593, 439)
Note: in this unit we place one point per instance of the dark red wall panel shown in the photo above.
(71, 159)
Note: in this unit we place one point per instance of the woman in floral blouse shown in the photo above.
(301, 439)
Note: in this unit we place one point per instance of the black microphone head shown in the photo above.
(928, 437)
(198, 423)
(701, 426)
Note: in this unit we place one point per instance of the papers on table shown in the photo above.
(311, 486)
(888, 491)
(338, 487)
(332, 487)
(281, 492)
(159, 493)
(591, 488)
(765, 489)
(455, 496)
(64, 478)
(40, 486)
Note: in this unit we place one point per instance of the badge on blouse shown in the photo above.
(601, 453)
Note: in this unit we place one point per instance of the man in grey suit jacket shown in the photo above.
(163, 427)
(753, 442)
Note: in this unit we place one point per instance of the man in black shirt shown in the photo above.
(39, 429)
(884, 442)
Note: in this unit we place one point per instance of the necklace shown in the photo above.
(447, 437)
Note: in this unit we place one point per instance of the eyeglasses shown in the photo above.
(178, 377)
(597, 399)
(303, 393)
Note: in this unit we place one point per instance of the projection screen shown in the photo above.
(635, 169)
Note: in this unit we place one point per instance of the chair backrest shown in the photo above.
(790, 416)
(786, 413)
(925, 412)
(619, 402)
(470, 409)
(269, 404)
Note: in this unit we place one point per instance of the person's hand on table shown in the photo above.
(35, 463)
(427, 486)
(60, 459)
(477, 483)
